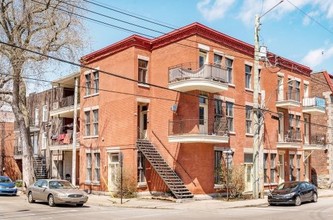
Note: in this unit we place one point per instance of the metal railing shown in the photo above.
(198, 127)
(314, 102)
(289, 136)
(67, 101)
(188, 71)
(293, 95)
(316, 139)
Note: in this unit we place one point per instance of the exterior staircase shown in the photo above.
(168, 175)
(40, 168)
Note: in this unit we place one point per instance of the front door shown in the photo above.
(203, 115)
(281, 128)
(248, 176)
(143, 121)
(113, 171)
(281, 168)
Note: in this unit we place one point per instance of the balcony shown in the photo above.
(314, 105)
(198, 131)
(65, 107)
(188, 77)
(288, 100)
(289, 139)
(64, 141)
(315, 142)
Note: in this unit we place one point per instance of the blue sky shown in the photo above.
(285, 30)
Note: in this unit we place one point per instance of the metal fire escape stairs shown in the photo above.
(167, 174)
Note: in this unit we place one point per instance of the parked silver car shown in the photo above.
(55, 192)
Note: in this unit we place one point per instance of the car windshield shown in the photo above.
(61, 185)
(290, 185)
(4, 179)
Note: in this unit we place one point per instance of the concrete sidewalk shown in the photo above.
(151, 203)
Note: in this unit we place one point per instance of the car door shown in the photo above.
(309, 191)
(36, 190)
(303, 192)
(44, 190)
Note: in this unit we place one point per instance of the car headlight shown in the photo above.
(61, 195)
(290, 194)
(2, 187)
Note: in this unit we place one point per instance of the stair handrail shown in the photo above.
(173, 157)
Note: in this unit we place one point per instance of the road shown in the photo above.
(18, 208)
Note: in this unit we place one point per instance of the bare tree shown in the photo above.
(48, 27)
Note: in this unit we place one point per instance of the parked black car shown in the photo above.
(294, 193)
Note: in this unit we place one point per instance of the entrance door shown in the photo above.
(143, 121)
(203, 115)
(248, 176)
(281, 128)
(306, 129)
(113, 170)
(281, 168)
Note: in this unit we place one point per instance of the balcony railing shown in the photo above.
(198, 127)
(314, 105)
(293, 96)
(291, 136)
(63, 138)
(207, 71)
(67, 101)
(315, 139)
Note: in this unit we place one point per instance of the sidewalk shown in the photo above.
(151, 203)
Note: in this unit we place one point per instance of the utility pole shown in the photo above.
(256, 111)
(76, 79)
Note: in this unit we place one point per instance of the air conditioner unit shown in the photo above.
(55, 105)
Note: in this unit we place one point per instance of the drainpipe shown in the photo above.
(74, 132)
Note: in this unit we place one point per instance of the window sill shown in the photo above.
(249, 135)
(249, 90)
(95, 183)
(219, 186)
(142, 185)
(270, 184)
(91, 95)
(232, 132)
(232, 85)
(143, 85)
(90, 137)
(88, 182)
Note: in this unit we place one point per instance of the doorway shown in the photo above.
(203, 115)
(281, 168)
(143, 121)
(113, 171)
(248, 177)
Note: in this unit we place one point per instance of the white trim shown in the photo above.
(90, 108)
(219, 97)
(280, 74)
(248, 63)
(223, 98)
(140, 57)
(248, 150)
(203, 47)
(270, 151)
(218, 52)
(306, 82)
(112, 149)
(142, 100)
(92, 151)
(230, 57)
(216, 148)
(229, 99)
(143, 85)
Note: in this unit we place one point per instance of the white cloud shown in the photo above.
(212, 10)
(307, 20)
(316, 57)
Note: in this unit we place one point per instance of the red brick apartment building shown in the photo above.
(188, 101)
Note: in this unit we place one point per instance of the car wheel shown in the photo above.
(30, 198)
(298, 201)
(314, 197)
(79, 205)
(50, 200)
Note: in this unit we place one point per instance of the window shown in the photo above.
(228, 63)
(36, 117)
(95, 122)
(291, 165)
(218, 60)
(44, 113)
(290, 89)
(202, 58)
(298, 167)
(97, 167)
(218, 109)
(297, 92)
(248, 70)
(291, 122)
(89, 165)
(88, 83)
(298, 128)
(141, 168)
(269, 166)
(218, 159)
(280, 88)
(259, 80)
(248, 116)
(87, 123)
(230, 115)
(273, 168)
(143, 69)
(306, 90)
(266, 177)
(202, 104)
(96, 81)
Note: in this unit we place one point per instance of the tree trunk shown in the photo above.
(22, 119)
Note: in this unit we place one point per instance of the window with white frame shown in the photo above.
(143, 71)
(89, 167)
(272, 168)
(306, 90)
(228, 63)
(298, 127)
(218, 109)
(44, 140)
(88, 83)
(202, 58)
(218, 161)
(87, 123)
(141, 168)
(230, 115)
(36, 121)
(290, 89)
(45, 113)
(259, 80)
(218, 60)
(297, 90)
(97, 157)
(291, 167)
(95, 122)
(248, 116)
(298, 167)
(266, 177)
(96, 81)
(248, 75)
